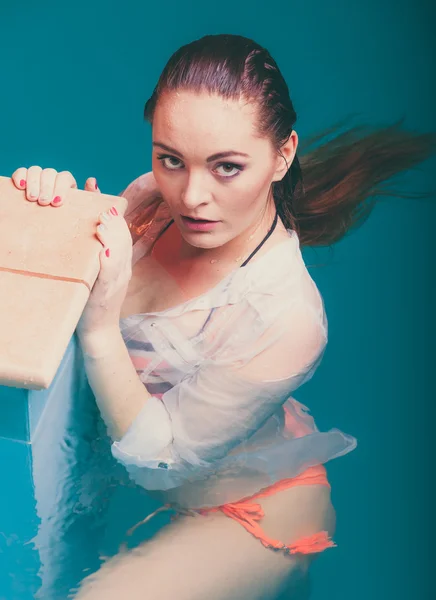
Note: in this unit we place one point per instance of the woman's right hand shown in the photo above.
(47, 186)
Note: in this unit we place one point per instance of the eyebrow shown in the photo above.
(216, 156)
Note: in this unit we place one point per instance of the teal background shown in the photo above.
(74, 79)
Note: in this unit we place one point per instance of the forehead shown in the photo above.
(205, 122)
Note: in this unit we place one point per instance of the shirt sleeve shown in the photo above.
(223, 402)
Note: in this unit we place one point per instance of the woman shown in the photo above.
(220, 322)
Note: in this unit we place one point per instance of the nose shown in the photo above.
(195, 192)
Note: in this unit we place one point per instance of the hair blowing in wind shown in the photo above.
(333, 186)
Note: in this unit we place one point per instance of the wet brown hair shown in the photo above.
(335, 184)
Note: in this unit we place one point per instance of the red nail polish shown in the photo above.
(22, 183)
(96, 185)
(114, 211)
(56, 200)
(107, 252)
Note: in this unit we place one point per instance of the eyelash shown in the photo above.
(240, 168)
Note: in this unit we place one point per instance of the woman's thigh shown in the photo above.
(214, 557)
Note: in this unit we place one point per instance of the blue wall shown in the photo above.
(74, 80)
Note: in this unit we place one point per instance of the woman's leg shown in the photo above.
(214, 557)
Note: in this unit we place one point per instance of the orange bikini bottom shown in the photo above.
(249, 513)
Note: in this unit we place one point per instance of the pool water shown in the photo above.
(76, 78)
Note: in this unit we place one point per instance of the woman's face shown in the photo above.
(212, 169)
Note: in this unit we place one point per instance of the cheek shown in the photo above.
(248, 194)
(168, 186)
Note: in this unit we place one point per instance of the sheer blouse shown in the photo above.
(221, 423)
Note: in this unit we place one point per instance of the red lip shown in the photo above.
(198, 219)
(198, 224)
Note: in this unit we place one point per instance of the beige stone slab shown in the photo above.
(37, 320)
(46, 239)
(48, 263)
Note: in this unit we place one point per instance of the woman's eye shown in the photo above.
(170, 162)
(229, 169)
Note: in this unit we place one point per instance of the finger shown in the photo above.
(91, 185)
(102, 234)
(105, 257)
(105, 225)
(47, 184)
(104, 217)
(19, 178)
(33, 183)
(64, 182)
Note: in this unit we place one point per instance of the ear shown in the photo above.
(288, 151)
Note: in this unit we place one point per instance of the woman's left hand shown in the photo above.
(102, 311)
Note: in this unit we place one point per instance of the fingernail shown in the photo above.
(101, 227)
(114, 211)
(104, 216)
(22, 183)
(57, 200)
(96, 185)
(107, 252)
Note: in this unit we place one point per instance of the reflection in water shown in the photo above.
(85, 502)
(97, 503)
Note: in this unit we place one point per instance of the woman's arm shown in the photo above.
(119, 393)
(118, 390)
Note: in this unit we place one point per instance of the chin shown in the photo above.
(205, 241)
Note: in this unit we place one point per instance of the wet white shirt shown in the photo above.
(221, 423)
